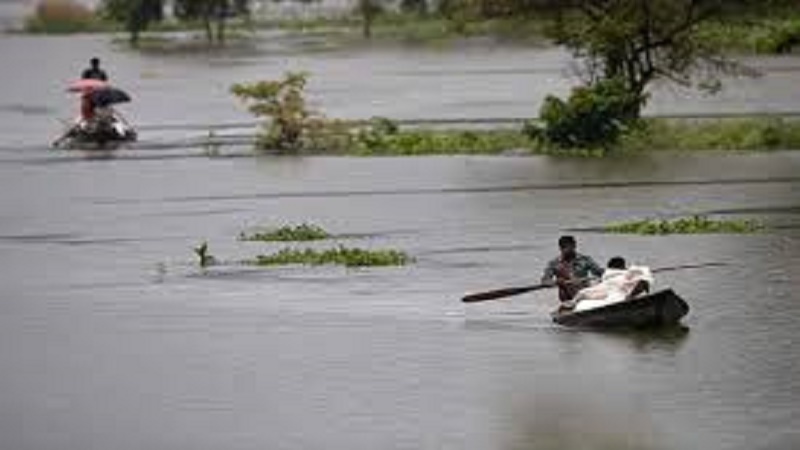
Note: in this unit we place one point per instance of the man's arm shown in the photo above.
(593, 267)
(549, 272)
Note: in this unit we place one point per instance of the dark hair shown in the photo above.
(565, 241)
(95, 61)
(617, 262)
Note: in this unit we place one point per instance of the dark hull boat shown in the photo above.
(102, 133)
(659, 309)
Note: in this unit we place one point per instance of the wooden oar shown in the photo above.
(508, 292)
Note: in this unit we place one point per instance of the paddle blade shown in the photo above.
(500, 293)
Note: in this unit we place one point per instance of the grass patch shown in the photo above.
(759, 35)
(755, 134)
(437, 142)
(349, 257)
(302, 232)
(749, 134)
(689, 225)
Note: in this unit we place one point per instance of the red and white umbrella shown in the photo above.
(86, 85)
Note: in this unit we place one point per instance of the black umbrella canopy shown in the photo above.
(109, 96)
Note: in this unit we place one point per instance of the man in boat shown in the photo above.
(94, 72)
(618, 283)
(570, 270)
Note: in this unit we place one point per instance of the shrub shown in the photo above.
(283, 103)
(593, 116)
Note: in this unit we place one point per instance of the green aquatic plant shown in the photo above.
(374, 141)
(752, 134)
(690, 225)
(350, 257)
(302, 232)
(205, 258)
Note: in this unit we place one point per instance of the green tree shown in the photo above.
(640, 41)
(368, 9)
(136, 15)
(624, 46)
(214, 14)
(283, 103)
(414, 6)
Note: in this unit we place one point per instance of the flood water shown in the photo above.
(112, 338)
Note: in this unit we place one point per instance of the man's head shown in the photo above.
(617, 262)
(95, 62)
(568, 246)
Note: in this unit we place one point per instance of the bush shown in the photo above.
(593, 116)
(283, 103)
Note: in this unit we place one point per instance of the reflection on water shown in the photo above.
(579, 419)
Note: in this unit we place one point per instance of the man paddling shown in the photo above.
(570, 270)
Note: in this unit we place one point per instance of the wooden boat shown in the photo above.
(658, 309)
(100, 133)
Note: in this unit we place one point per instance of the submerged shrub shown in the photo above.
(283, 104)
(204, 257)
(593, 116)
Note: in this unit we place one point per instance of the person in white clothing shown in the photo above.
(619, 283)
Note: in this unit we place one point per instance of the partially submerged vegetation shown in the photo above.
(587, 125)
(346, 256)
(740, 26)
(690, 225)
(287, 233)
(204, 257)
(750, 134)
(338, 255)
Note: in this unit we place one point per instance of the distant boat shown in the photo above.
(659, 309)
(101, 133)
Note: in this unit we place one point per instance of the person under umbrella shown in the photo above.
(97, 98)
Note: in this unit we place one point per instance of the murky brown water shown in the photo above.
(111, 338)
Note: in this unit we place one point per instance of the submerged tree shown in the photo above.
(136, 15)
(640, 41)
(212, 13)
(368, 9)
(414, 6)
(623, 47)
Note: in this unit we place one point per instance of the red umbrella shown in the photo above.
(86, 85)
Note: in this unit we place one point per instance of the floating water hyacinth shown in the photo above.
(302, 232)
(350, 257)
(690, 225)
